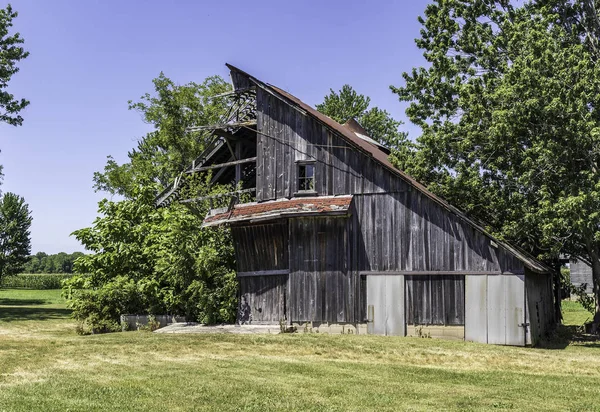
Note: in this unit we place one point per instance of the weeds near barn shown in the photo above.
(45, 365)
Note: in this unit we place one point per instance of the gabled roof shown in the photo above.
(379, 156)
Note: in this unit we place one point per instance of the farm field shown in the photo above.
(46, 366)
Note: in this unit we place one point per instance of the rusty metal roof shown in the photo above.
(281, 208)
(378, 155)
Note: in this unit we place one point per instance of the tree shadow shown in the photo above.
(566, 335)
(12, 314)
(21, 302)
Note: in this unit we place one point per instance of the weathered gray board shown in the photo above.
(476, 329)
(540, 315)
(263, 300)
(321, 287)
(506, 309)
(581, 273)
(385, 305)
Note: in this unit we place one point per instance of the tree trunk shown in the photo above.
(596, 279)
(594, 255)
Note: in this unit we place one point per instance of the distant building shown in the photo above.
(337, 238)
(581, 273)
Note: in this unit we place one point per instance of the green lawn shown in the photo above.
(574, 313)
(45, 366)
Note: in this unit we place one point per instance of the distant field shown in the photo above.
(38, 281)
(45, 366)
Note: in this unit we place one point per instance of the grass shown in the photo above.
(44, 365)
(574, 314)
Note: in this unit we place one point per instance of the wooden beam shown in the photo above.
(437, 272)
(222, 126)
(220, 165)
(234, 92)
(238, 167)
(264, 273)
(220, 172)
(200, 199)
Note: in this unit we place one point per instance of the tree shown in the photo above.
(348, 104)
(163, 153)
(148, 260)
(11, 52)
(15, 220)
(509, 109)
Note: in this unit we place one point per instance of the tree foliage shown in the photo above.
(164, 152)
(348, 104)
(15, 220)
(509, 107)
(148, 260)
(57, 263)
(11, 53)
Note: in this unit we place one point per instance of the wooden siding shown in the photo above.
(321, 287)
(408, 232)
(286, 136)
(261, 247)
(540, 311)
(435, 300)
(263, 299)
(581, 273)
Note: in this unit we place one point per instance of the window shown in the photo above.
(435, 300)
(306, 177)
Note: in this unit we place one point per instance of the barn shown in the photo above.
(581, 275)
(335, 238)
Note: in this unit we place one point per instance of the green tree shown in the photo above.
(163, 153)
(509, 110)
(148, 260)
(348, 104)
(11, 52)
(15, 220)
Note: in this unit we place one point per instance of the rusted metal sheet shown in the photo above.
(476, 309)
(385, 305)
(506, 310)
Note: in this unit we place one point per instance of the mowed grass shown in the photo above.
(574, 314)
(45, 366)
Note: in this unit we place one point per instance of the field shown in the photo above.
(45, 366)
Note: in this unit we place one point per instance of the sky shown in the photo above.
(89, 58)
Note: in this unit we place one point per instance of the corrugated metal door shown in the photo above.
(476, 308)
(385, 305)
(506, 310)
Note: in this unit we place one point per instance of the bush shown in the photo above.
(35, 281)
(152, 261)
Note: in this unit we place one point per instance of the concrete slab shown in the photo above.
(185, 327)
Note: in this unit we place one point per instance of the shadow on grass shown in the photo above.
(566, 335)
(21, 302)
(8, 314)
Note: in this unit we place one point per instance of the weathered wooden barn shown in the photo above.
(581, 275)
(337, 238)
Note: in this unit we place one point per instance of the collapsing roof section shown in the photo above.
(305, 206)
(352, 132)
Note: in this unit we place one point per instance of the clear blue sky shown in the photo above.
(88, 58)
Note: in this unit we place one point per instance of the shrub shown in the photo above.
(35, 281)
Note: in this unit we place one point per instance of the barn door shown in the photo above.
(385, 305)
(263, 299)
(506, 310)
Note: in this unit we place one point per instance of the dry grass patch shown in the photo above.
(59, 370)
